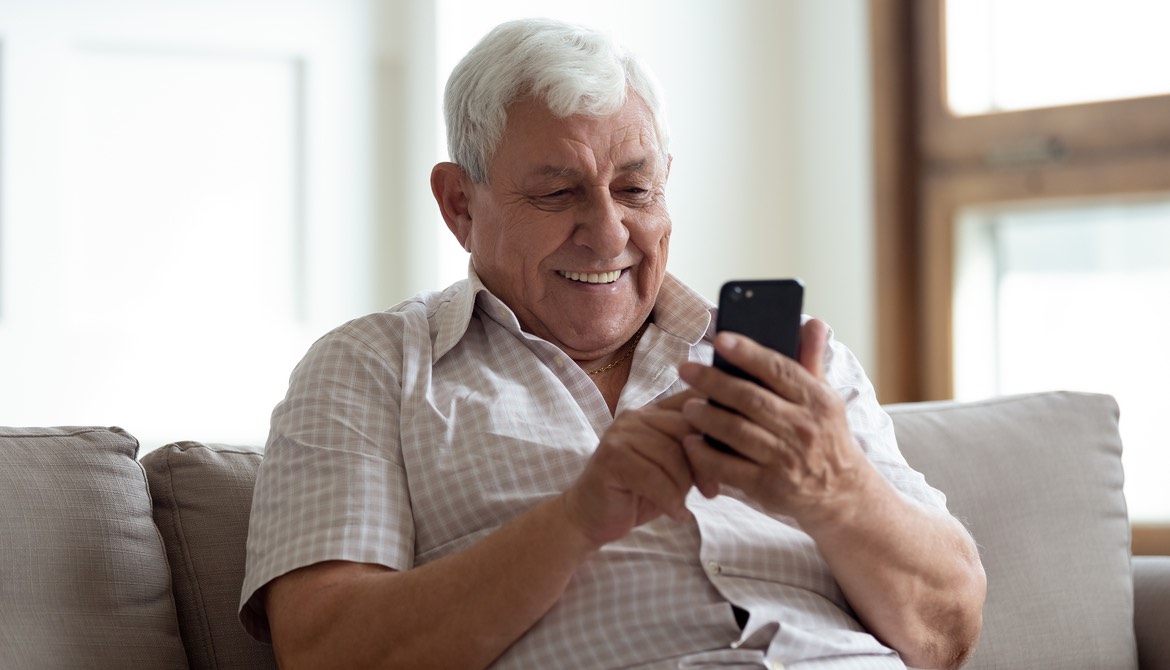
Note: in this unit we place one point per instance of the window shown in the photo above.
(1070, 295)
(183, 215)
(1023, 158)
(1006, 55)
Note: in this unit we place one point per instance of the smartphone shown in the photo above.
(766, 310)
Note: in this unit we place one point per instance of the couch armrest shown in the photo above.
(1151, 610)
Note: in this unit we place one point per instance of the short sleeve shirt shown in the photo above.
(411, 434)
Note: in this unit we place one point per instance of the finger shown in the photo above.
(713, 468)
(676, 401)
(700, 456)
(814, 339)
(690, 371)
(748, 438)
(707, 381)
(654, 446)
(671, 462)
(674, 423)
(660, 491)
(775, 371)
(639, 474)
(671, 424)
(753, 401)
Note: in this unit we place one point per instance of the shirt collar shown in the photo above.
(679, 310)
(455, 308)
(683, 312)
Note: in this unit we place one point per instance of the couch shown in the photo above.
(108, 560)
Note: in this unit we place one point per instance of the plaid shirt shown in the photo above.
(446, 392)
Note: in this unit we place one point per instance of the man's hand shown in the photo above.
(797, 455)
(638, 472)
(911, 573)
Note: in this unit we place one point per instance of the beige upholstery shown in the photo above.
(83, 574)
(86, 583)
(202, 496)
(1037, 479)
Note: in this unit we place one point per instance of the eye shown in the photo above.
(553, 201)
(635, 196)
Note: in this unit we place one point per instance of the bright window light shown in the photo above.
(1073, 296)
(1004, 55)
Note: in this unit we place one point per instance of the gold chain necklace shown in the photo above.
(629, 352)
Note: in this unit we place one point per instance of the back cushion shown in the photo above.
(202, 498)
(1037, 479)
(83, 574)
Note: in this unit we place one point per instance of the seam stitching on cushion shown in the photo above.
(953, 405)
(217, 449)
(158, 534)
(73, 433)
(189, 565)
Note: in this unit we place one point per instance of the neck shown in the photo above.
(623, 354)
(611, 378)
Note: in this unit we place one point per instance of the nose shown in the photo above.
(601, 226)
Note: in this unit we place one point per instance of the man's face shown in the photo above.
(571, 229)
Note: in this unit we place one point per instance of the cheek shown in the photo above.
(520, 247)
(653, 239)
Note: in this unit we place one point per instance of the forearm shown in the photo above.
(461, 611)
(912, 574)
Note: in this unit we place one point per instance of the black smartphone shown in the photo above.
(766, 310)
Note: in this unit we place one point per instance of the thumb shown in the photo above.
(814, 339)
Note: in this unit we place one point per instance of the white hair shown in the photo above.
(573, 69)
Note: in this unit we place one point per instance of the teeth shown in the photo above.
(592, 277)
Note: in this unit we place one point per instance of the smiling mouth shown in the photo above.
(592, 277)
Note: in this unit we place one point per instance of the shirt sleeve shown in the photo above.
(872, 426)
(332, 484)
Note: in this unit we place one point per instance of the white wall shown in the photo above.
(767, 100)
(833, 197)
(731, 191)
(769, 108)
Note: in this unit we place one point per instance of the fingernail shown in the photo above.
(726, 341)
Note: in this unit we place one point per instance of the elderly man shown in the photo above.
(512, 472)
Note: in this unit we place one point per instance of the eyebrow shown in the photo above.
(554, 171)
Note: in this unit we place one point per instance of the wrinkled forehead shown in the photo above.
(624, 140)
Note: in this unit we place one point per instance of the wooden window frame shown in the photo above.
(930, 164)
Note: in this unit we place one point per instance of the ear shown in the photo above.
(450, 185)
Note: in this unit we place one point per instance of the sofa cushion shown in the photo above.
(1038, 481)
(1151, 591)
(84, 581)
(202, 498)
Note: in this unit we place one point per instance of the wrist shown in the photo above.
(864, 497)
(576, 531)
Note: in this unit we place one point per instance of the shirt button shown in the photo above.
(714, 568)
(775, 665)
(560, 363)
